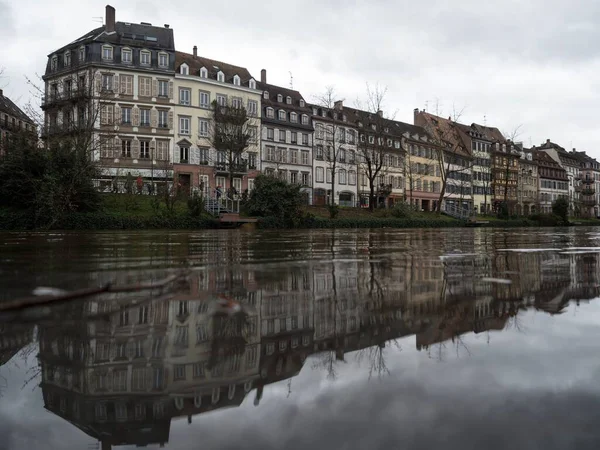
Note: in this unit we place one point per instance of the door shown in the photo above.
(204, 186)
(184, 184)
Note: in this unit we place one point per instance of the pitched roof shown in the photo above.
(272, 102)
(447, 132)
(129, 34)
(9, 107)
(195, 63)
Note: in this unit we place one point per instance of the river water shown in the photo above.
(346, 339)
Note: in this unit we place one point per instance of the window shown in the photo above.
(319, 175)
(252, 107)
(304, 119)
(279, 97)
(304, 156)
(145, 149)
(236, 80)
(204, 99)
(126, 56)
(107, 82)
(126, 84)
(281, 114)
(184, 69)
(270, 113)
(351, 156)
(144, 117)
(179, 372)
(304, 139)
(202, 127)
(163, 117)
(342, 177)
(145, 86)
(221, 77)
(120, 380)
(126, 148)
(199, 370)
(67, 59)
(202, 334)
(181, 336)
(319, 154)
(281, 135)
(293, 117)
(352, 177)
(294, 137)
(270, 134)
(184, 96)
(305, 178)
(163, 60)
(203, 73)
(107, 53)
(145, 58)
(163, 88)
(252, 84)
(81, 54)
(328, 175)
(237, 102)
(294, 156)
(126, 115)
(221, 100)
(252, 160)
(184, 125)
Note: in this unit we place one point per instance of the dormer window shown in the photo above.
(145, 58)
(236, 80)
(221, 77)
(279, 97)
(281, 114)
(126, 56)
(107, 53)
(373, 126)
(270, 113)
(304, 119)
(252, 83)
(266, 95)
(184, 69)
(67, 59)
(293, 117)
(344, 117)
(302, 103)
(54, 63)
(203, 72)
(314, 110)
(163, 60)
(288, 100)
(81, 54)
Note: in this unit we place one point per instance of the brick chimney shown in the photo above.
(110, 19)
(415, 115)
(195, 51)
(263, 76)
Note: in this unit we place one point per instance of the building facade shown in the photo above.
(553, 181)
(116, 82)
(528, 182)
(286, 136)
(422, 170)
(334, 155)
(12, 120)
(200, 85)
(505, 175)
(570, 163)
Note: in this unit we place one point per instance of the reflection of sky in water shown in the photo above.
(532, 385)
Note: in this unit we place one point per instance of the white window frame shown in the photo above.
(145, 53)
(183, 93)
(252, 107)
(67, 57)
(266, 95)
(304, 119)
(81, 54)
(288, 100)
(252, 83)
(166, 59)
(270, 113)
(203, 72)
(163, 83)
(110, 50)
(220, 76)
(281, 115)
(184, 69)
(237, 80)
(207, 104)
(182, 129)
(126, 51)
(293, 117)
(222, 96)
(319, 174)
(202, 127)
(280, 98)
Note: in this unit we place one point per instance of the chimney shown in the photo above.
(339, 105)
(380, 113)
(166, 25)
(1, 93)
(547, 141)
(195, 51)
(110, 19)
(263, 76)
(415, 115)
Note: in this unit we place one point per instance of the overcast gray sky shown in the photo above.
(518, 62)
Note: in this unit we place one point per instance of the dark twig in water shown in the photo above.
(84, 293)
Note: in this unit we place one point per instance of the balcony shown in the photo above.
(60, 98)
(237, 167)
(588, 191)
(587, 180)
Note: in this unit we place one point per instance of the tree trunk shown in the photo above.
(371, 195)
(438, 207)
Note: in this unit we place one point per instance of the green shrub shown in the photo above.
(560, 208)
(402, 210)
(334, 210)
(276, 199)
(195, 205)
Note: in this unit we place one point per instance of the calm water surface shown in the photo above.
(363, 339)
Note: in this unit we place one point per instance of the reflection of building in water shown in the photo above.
(13, 338)
(124, 373)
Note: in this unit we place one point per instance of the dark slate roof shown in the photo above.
(195, 63)
(448, 131)
(550, 145)
(7, 106)
(129, 34)
(274, 91)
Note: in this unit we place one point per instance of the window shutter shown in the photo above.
(123, 89)
(171, 89)
(135, 149)
(176, 155)
(153, 150)
(117, 147)
(170, 119)
(135, 112)
(104, 114)
(115, 85)
(154, 118)
(98, 82)
(154, 88)
(117, 118)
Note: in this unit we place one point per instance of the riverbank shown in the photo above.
(139, 213)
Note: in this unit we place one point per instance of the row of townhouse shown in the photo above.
(152, 111)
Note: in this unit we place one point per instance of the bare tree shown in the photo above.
(373, 148)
